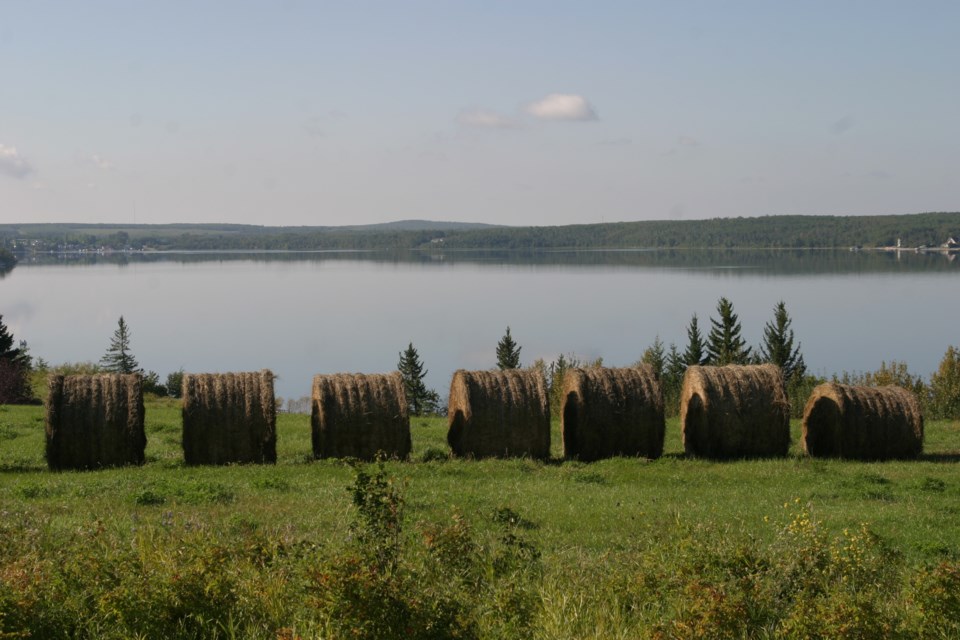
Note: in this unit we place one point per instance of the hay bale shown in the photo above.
(356, 415)
(499, 414)
(863, 423)
(612, 412)
(735, 412)
(229, 417)
(95, 421)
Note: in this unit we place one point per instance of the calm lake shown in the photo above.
(306, 313)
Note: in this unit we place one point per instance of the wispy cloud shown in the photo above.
(842, 125)
(687, 141)
(487, 119)
(13, 164)
(101, 163)
(562, 106)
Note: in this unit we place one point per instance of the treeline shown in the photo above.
(930, 229)
(803, 232)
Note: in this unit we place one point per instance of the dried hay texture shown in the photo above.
(499, 414)
(95, 421)
(229, 418)
(612, 412)
(357, 415)
(735, 412)
(862, 423)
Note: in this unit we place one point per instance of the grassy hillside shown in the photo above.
(496, 548)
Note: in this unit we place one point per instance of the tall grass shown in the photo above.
(621, 548)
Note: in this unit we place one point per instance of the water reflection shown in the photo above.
(773, 261)
(306, 313)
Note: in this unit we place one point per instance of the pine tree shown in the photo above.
(777, 347)
(695, 353)
(420, 400)
(118, 358)
(508, 352)
(724, 344)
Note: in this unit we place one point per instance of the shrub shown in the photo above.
(945, 386)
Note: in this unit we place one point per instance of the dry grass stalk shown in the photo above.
(499, 414)
(95, 421)
(735, 412)
(229, 418)
(357, 415)
(612, 412)
(863, 423)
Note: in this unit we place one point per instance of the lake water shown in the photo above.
(303, 314)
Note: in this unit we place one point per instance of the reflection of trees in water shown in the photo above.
(730, 261)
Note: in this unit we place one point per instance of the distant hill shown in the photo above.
(46, 230)
(418, 225)
(797, 231)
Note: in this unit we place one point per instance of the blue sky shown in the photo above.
(502, 112)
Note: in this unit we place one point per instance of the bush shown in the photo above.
(175, 383)
(945, 386)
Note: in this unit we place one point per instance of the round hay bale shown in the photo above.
(499, 414)
(862, 423)
(612, 412)
(95, 421)
(229, 418)
(735, 412)
(356, 415)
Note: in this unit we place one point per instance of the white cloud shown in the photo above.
(101, 162)
(688, 141)
(13, 164)
(562, 106)
(484, 118)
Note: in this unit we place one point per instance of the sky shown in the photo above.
(506, 112)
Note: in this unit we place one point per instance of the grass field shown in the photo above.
(496, 548)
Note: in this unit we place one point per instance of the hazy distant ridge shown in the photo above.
(797, 231)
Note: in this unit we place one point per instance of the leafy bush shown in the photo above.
(945, 386)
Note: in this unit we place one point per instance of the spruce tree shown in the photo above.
(777, 347)
(14, 364)
(7, 352)
(118, 358)
(695, 353)
(420, 400)
(508, 352)
(724, 344)
(675, 367)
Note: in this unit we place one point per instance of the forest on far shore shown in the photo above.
(929, 230)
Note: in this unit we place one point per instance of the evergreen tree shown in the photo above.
(7, 352)
(695, 353)
(508, 352)
(655, 357)
(675, 367)
(724, 344)
(777, 347)
(420, 400)
(14, 364)
(118, 358)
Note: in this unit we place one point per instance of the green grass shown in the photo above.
(595, 527)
